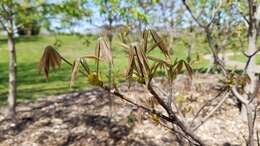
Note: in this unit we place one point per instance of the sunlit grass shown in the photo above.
(242, 58)
(31, 85)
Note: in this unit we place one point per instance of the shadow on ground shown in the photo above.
(77, 118)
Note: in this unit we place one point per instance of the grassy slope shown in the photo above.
(242, 58)
(31, 85)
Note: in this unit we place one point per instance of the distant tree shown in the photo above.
(114, 13)
(244, 87)
(29, 26)
(14, 13)
(66, 13)
(8, 10)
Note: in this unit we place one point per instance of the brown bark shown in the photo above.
(12, 70)
(174, 118)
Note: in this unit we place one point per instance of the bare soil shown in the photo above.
(83, 118)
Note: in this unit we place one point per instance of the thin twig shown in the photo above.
(66, 61)
(175, 105)
(249, 59)
(212, 112)
(239, 96)
(258, 139)
(254, 117)
(175, 131)
(172, 119)
(203, 106)
(171, 114)
(192, 15)
(243, 16)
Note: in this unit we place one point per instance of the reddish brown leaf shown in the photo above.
(75, 68)
(50, 58)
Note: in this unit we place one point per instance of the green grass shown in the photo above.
(32, 85)
(241, 58)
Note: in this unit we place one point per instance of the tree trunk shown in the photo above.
(251, 67)
(246, 110)
(250, 88)
(110, 38)
(12, 71)
(250, 123)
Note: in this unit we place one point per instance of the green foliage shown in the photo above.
(33, 14)
(28, 18)
(120, 10)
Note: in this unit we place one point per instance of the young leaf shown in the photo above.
(142, 62)
(153, 46)
(131, 65)
(94, 80)
(179, 67)
(50, 58)
(189, 69)
(75, 67)
(84, 64)
(145, 40)
(158, 40)
(155, 59)
(125, 46)
(104, 51)
(155, 119)
(154, 69)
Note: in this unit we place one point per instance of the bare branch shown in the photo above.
(212, 46)
(254, 116)
(249, 59)
(204, 105)
(244, 17)
(250, 10)
(212, 112)
(192, 15)
(3, 25)
(239, 96)
(160, 101)
(175, 105)
(214, 13)
(176, 131)
(171, 114)
(169, 119)
(258, 139)
(257, 87)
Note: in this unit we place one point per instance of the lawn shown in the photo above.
(32, 85)
(240, 57)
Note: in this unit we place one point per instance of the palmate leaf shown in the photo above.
(85, 65)
(154, 68)
(75, 68)
(50, 58)
(82, 61)
(131, 64)
(125, 46)
(179, 67)
(153, 47)
(142, 62)
(158, 40)
(145, 40)
(156, 59)
(104, 51)
(188, 68)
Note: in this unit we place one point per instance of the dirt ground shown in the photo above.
(84, 118)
